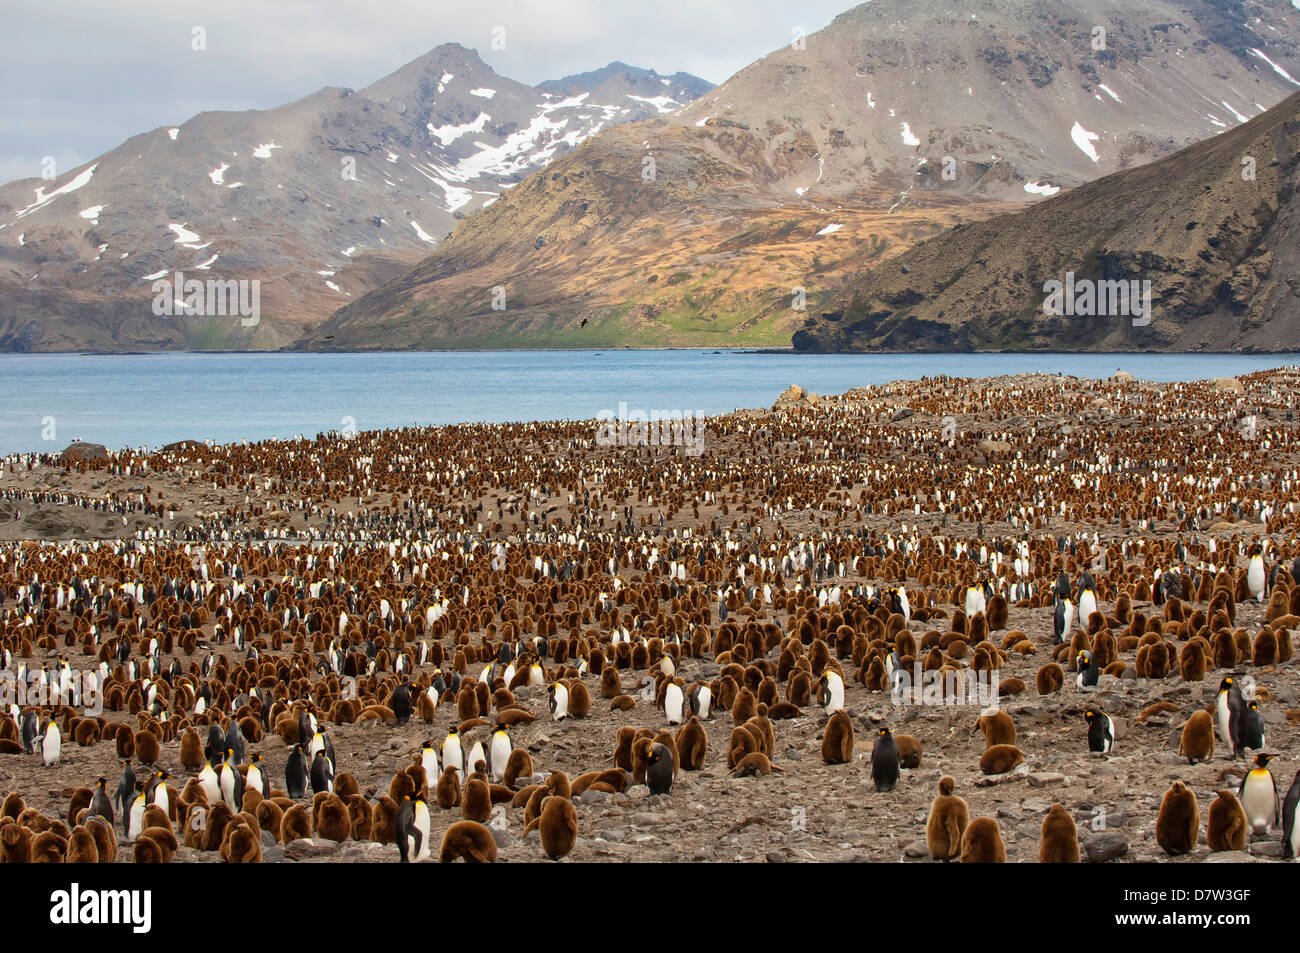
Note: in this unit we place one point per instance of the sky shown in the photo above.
(78, 78)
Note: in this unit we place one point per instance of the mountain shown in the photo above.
(712, 224)
(1214, 229)
(318, 201)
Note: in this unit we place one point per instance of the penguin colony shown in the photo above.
(681, 622)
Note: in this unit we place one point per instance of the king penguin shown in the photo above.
(674, 703)
(453, 755)
(322, 774)
(700, 699)
(1290, 829)
(1256, 575)
(295, 773)
(1101, 731)
(100, 803)
(1258, 795)
(1228, 706)
(830, 692)
(499, 752)
(1250, 730)
(1089, 671)
(559, 701)
(51, 744)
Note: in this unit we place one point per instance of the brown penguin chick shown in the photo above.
(947, 822)
(622, 703)
(641, 748)
(533, 808)
(1197, 742)
(692, 744)
(623, 747)
(754, 763)
(345, 785)
(243, 845)
(558, 784)
(191, 750)
(744, 708)
(467, 703)
(48, 848)
(333, 822)
(798, 690)
(269, 816)
(252, 798)
(611, 686)
(1179, 821)
(469, 840)
(295, 825)
(213, 825)
(997, 726)
(741, 744)
(999, 759)
(1265, 648)
(146, 850)
(837, 739)
(15, 844)
(82, 848)
(524, 794)
(105, 839)
(403, 783)
(165, 839)
(154, 816)
(1191, 662)
(194, 827)
(783, 710)
(909, 751)
(1227, 826)
(558, 826)
(447, 791)
(13, 805)
(1049, 679)
(146, 747)
(579, 699)
(982, 843)
(1060, 843)
(425, 709)
(477, 803)
(514, 716)
(518, 765)
(80, 799)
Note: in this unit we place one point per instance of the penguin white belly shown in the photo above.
(705, 701)
(429, 761)
(51, 745)
(208, 781)
(1087, 606)
(453, 757)
(560, 703)
(1259, 803)
(673, 704)
(421, 825)
(1221, 718)
(137, 818)
(1255, 577)
(161, 798)
(501, 748)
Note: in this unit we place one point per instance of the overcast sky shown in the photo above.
(77, 78)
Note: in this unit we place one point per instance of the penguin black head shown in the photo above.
(1262, 760)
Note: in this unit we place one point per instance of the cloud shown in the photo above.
(80, 78)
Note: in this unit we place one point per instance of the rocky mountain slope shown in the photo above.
(1213, 229)
(319, 200)
(713, 224)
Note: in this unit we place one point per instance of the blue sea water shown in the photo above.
(154, 399)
